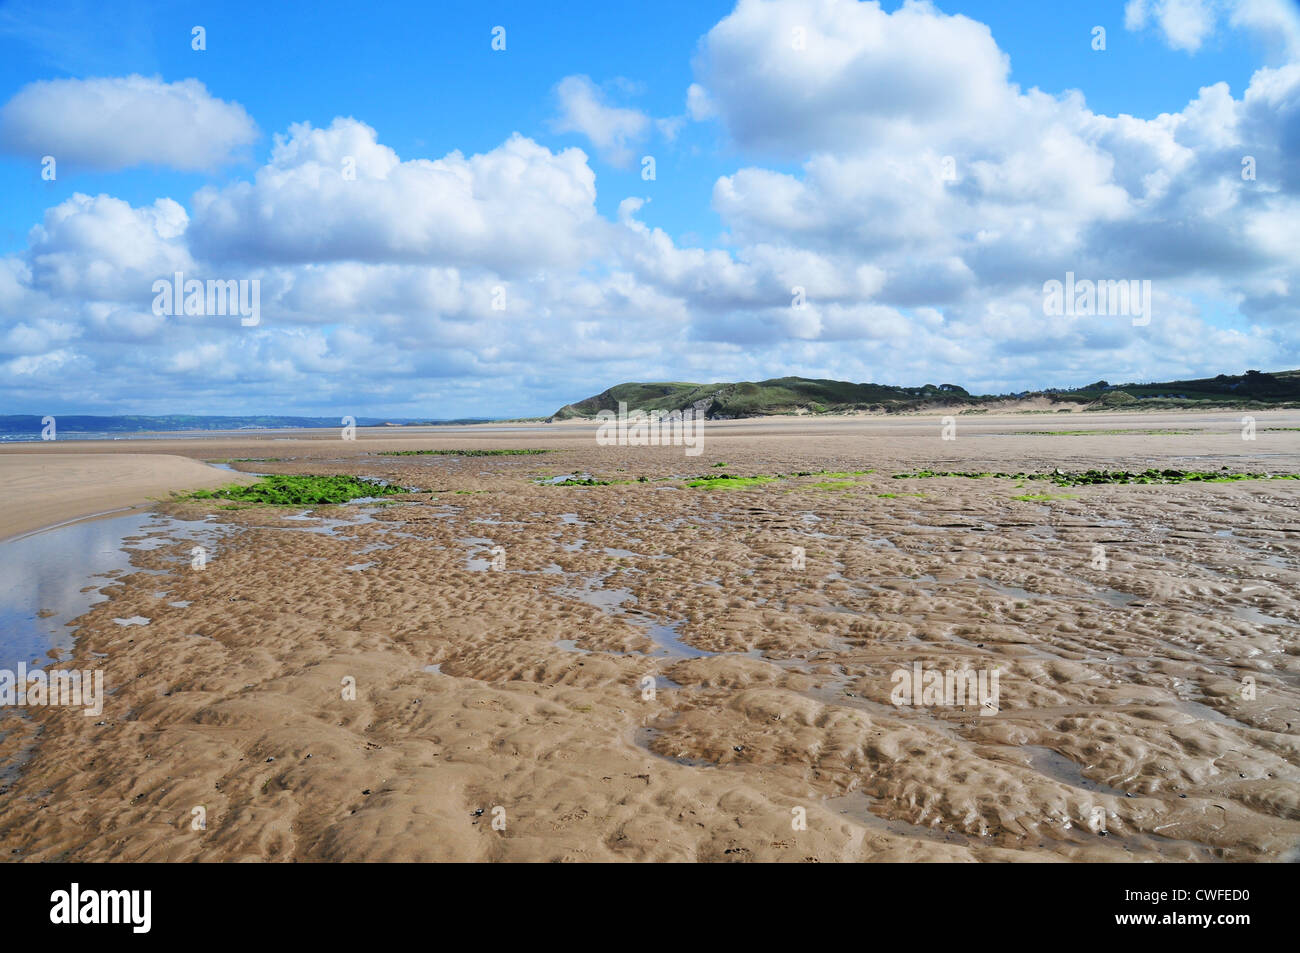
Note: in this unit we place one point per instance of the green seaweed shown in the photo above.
(1101, 477)
(726, 481)
(298, 490)
(460, 453)
(1098, 433)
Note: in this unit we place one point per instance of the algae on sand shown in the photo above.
(297, 490)
(461, 453)
(1099, 477)
(728, 482)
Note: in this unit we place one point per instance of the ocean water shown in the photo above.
(278, 433)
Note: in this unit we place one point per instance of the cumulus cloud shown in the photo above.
(1277, 21)
(1186, 24)
(792, 78)
(918, 201)
(613, 130)
(101, 249)
(118, 122)
(337, 194)
(993, 190)
(698, 105)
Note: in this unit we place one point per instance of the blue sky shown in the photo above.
(773, 168)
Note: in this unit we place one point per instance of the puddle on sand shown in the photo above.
(476, 544)
(1114, 597)
(557, 480)
(857, 806)
(1255, 617)
(1058, 767)
(667, 642)
(227, 466)
(45, 573)
(644, 737)
(324, 525)
(598, 596)
(1199, 710)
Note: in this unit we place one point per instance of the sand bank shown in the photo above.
(43, 488)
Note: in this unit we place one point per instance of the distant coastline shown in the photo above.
(23, 428)
(785, 396)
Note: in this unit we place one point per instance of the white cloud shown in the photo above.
(1039, 184)
(1184, 23)
(117, 122)
(860, 73)
(1187, 24)
(102, 249)
(613, 130)
(37, 337)
(377, 287)
(518, 206)
(698, 105)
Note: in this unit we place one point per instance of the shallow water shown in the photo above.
(1059, 768)
(669, 643)
(230, 468)
(45, 573)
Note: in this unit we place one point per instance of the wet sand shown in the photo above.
(43, 488)
(507, 713)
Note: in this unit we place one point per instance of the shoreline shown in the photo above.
(88, 517)
(1019, 410)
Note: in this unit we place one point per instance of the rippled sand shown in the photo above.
(649, 677)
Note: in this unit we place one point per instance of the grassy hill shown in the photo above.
(792, 395)
(1252, 389)
(782, 395)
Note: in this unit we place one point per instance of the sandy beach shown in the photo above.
(45, 488)
(495, 668)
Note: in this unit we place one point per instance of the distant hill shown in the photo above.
(795, 395)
